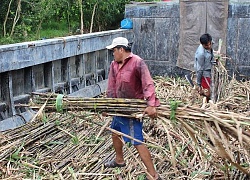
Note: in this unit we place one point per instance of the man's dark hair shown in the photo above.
(206, 38)
(126, 48)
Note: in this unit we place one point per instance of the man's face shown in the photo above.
(207, 46)
(118, 54)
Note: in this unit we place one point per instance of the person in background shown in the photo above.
(129, 77)
(204, 59)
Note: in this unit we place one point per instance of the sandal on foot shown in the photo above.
(113, 164)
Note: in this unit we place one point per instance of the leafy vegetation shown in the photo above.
(25, 20)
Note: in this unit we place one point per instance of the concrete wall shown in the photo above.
(238, 38)
(157, 27)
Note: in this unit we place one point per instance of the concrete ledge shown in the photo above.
(92, 90)
(21, 55)
(17, 120)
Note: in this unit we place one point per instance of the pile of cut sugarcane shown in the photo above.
(69, 138)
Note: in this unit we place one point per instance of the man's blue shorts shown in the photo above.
(128, 126)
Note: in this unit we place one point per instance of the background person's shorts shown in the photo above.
(205, 82)
(128, 126)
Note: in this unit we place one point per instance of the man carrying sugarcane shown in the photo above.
(129, 77)
(204, 59)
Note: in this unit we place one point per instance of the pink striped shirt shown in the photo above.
(132, 80)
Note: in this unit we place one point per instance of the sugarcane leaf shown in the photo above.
(16, 155)
(200, 172)
(56, 142)
(59, 106)
(173, 106)
(75, 140)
